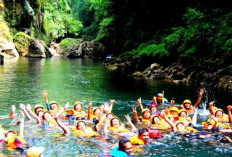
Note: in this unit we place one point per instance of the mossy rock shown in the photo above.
(4, 31)
(22, 42)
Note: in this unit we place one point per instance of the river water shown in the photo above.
(69, 80)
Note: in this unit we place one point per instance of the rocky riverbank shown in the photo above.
(203, 74)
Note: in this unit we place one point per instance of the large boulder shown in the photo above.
(8, 48)
(37, 49)
(22, 42)
(30, 47)
(76, 48)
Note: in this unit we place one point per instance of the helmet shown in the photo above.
(34, 151)
(174, 109)
(187, 101)
(182, 110)
(76, 103)
(38, 106)
(145, 110)
(219, 110)
(153, 105)
(160, 94)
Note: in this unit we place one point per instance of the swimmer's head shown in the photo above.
(180, 126)
(110, 115)
(174, 111)
(78, 106)
(143, 134)
(155, 120)
(10, 133)
(38, 108)
(153, 108)
(187, 103)
(81, 125)
(115, 122)
(53, 105)
(183, 113)
(219, 113)
(35, 152)
(96, 111)
(46, 115)
(146, 113)
(125, 146)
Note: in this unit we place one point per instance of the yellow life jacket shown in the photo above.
(87, 133)
(57, 110)
(189, 110)
(145, 121)
(119, 129)
(14, 141)
(163, 99)
(79, 114)
(51, 122)
(136, 141)
(185, 120)
(190, 130)
(163, 125)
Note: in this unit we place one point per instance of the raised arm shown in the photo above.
(112, 102)
(172, 103)
(211, 109)
(45, 95)
(229, 113)
(132, 126)
(23, 108)
(169, 121)
(216, 122)
(89, 110)
(194, 119)
(139, 102)
(61, 125)
(103, 118)
(21, 126)
(33, 114)
(12, 113)
(199, 98)
(135, 114)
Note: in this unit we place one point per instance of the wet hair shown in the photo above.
(153, 119)
(122, 143)
(111, 121)
(10, 131)
(142, 130)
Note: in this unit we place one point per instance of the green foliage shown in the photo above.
(69, 42)
(58, 19)
(106, 28)
(152, 50)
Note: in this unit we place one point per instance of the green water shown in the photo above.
(70, 80)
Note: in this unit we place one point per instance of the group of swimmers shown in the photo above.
(159, 117)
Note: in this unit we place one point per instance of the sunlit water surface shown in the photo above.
(70, 80)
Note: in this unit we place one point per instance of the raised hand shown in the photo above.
(105, 108)
(128, 117)
(22, 106)
(66, 105)
(28, 107)
(45, 93)
(201, 92)
(172, 102)
(139, 100)
(134, 109)
(229, 107)
(13, 108)
(90, 104)
(112, 101)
